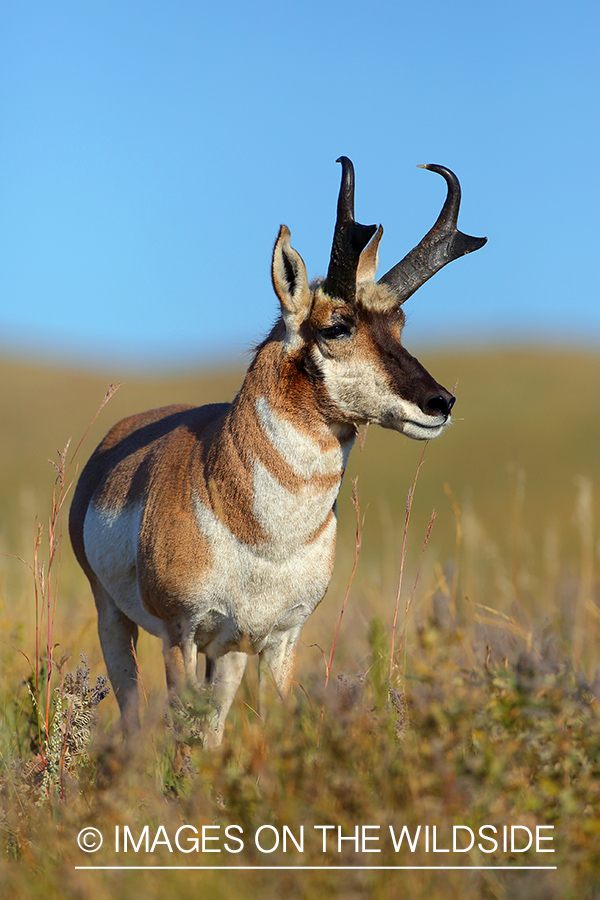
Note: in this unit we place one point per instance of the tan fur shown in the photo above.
(376, 297)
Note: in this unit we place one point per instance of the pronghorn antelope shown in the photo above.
(214, 527)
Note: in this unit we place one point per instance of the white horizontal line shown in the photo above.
(312, 868)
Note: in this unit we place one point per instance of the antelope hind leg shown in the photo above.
(118, 639)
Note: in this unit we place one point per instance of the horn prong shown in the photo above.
(442, 244)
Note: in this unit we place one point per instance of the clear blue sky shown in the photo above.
(150, 151)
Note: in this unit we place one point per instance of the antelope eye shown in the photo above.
(340, 329)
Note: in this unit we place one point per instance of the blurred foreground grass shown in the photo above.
(491, 712)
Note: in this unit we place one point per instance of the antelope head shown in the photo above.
(346, 331)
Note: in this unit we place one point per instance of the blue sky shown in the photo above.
(150, 151)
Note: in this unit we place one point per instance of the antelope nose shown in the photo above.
(441, 405)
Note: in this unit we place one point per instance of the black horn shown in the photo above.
(349, 240)
(442, 244)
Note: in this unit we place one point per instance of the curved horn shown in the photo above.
(442, 244)
(349, 240)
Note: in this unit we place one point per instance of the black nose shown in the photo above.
(442, 405)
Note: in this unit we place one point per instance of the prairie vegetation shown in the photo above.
(486, 713)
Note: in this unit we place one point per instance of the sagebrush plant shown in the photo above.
(75, 712)
(479, 704)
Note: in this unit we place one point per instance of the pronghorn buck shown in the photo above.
(214, 527)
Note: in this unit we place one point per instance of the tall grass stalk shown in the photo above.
(584, 521)
(357, 546)
(46, 575)
(412, 593)
(516, 532)
(457, 549)
(409, 503)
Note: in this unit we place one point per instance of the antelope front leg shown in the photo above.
(180, 666)
(276, 664)
(224, 676)
(181, 659)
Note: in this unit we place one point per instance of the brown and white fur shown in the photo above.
(214, 527)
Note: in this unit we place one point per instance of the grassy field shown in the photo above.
(487, 714)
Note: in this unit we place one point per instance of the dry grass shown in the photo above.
(490, 715)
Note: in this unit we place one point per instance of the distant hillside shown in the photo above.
(525, 431)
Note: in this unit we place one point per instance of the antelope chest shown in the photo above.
(255, 592)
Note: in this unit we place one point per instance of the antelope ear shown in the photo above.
(290, 281)
(367, 264)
